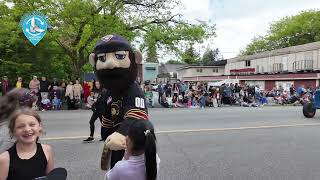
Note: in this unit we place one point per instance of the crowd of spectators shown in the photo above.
(199, 95)
(54, 94)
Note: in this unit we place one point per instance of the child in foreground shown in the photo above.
(140, 161)
(26, 159)
(10, 102)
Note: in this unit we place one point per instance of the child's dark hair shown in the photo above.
(143, 138)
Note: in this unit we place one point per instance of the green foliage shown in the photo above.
(87, 68)
(174, 62)
(75, 26)
(210, 56)
(190, 56)
(289, 31)
(19, 57)
(175, 38)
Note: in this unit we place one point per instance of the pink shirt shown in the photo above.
(132, 169)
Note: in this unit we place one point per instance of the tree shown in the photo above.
(129, 18)
(210, 56)
(289, 31)
(175, 37)
(19, 58)
(190, 56)
(77, 25)
(258, 44)
(174, 62)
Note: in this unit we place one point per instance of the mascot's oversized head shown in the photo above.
(115, 63)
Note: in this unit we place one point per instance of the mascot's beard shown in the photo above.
(116, 80)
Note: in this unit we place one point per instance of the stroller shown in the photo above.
(45, 103)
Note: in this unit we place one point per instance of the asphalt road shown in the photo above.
(224, 143)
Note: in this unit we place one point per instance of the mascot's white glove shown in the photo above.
(116, 141)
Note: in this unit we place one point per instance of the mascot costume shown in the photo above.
(115, 64)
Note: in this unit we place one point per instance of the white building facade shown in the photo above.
(292, 60)
(199, 71)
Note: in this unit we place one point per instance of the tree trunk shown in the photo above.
(76, 69)
(78, 63)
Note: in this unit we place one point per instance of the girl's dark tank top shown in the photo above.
(27, 169)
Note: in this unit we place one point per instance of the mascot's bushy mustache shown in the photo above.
(118, 73)
(115, 79)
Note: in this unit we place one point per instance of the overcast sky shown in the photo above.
(238, 21)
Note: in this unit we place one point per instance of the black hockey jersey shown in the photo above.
(121, 111)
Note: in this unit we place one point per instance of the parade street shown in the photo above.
(222, 143)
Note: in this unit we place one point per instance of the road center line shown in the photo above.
(237, 128)
(200, 130)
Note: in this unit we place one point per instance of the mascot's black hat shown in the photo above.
(112, 43)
